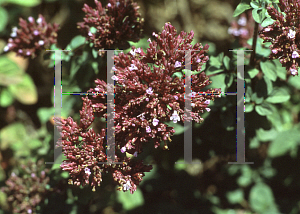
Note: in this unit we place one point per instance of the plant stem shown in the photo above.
(252, 58)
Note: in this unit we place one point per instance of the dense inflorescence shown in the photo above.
(27, 191)
(148, 94)
(86, 155)
(112, 27)
(32, 37)
(284, 34)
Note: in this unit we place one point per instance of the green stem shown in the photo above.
(252, 58)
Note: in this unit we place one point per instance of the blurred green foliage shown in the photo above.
(272, 108)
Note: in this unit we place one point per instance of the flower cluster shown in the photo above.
(86, 153)
(26, 192)
(113, 26)
(32, 37)
(148, 94)
(243, 28)
(284, 34)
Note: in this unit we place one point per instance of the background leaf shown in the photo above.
(25, 91)
(262, 199)
(242, 7)
(24, 3)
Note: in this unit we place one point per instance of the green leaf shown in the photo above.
(58, 162)
(218, 81)
(266, 135)
(249, 107)
(213, 70)
(226, 62)
(264, 109)
(142, 43)
(229, 79)
(256, 99)
(3, 18)
(269, 69)
(268, 21)
(12, 134)
(26, 3)
(77, 41)
(10, 72)
(179, 129)
(242, 7)
(248, 94)
(25, 91)
(256, 14)
(34, 144)
(6, 98)
(285, 141)
(253, 72)
(254, 4)
(281, 71)
(294, 81)
(130, 201)
(254, 143)
(216, 61)
(261, 199)
(246, 178)
(235, 197)
(44, 114)
(278, 95)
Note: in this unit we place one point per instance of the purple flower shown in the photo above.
(243, 32)
(31, 37)
(175, 117)
(39, 20)
(294, 71)
(114, 77)
(87, 171)
(207, 102)
(295, 54)
(198, 60)
(35, 32)
(133, 67)
(155, 122)
(149, 40)
(123, 149)
(242, 21)
(126, 186)
(135, 154)
(207, 109)
(30, 19)
(41, 42)
(176, 97)
(148, 129)
(149, 90)
(291, 34)
(177, 64)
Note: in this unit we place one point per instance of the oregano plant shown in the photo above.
(150, 110)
